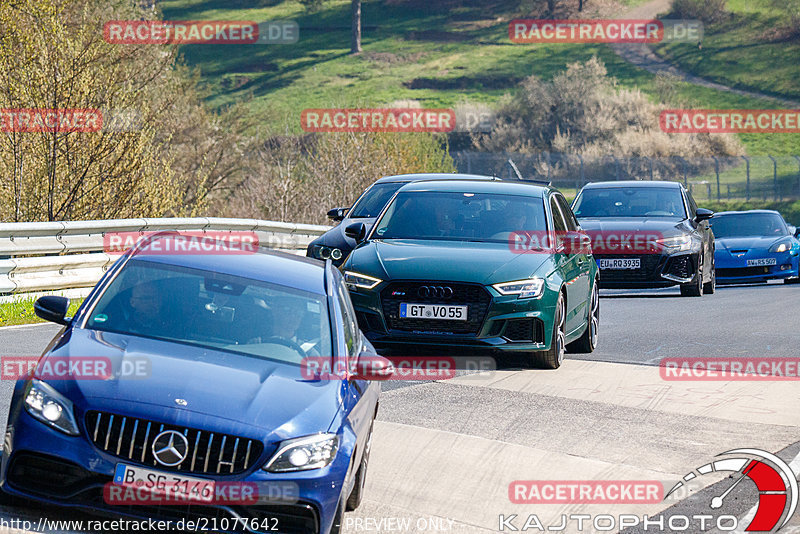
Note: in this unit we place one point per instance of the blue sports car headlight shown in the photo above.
(781, 246)
(50, 407)
(301, 454)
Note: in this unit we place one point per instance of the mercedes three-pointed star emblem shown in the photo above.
(170, 448)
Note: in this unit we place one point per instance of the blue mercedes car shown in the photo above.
(205, 389)
(755, 246)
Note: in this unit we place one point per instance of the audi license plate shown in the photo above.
(178, 487)
(760, 262)
(619, 263)
(433, 311)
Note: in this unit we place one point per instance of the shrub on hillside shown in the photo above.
(582, 112)
(708, 11)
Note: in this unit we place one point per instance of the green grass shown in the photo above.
(21, 311)
(437, 56)
(742, 52)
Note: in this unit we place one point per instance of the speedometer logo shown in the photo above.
(774, 479)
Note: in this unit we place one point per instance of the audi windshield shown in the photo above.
(459, 216)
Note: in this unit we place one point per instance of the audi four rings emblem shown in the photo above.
(442, 292)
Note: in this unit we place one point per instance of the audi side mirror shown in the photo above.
(337, 214)
(703, 214)
(357, 231)
(52, 308)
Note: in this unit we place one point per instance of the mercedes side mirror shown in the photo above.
(357, 231)
(337, 214)
(52, 308)
(703, 214)
(370, 366)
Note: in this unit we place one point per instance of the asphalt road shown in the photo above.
(445, 452)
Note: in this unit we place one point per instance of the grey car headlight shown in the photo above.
(679, 243)
(50, 407)
(301, 454)
(524, 289)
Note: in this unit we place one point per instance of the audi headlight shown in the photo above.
(360, 281)
(678, 243)
(781, 246)
(524, 289)
(301, 454)
(50, 407)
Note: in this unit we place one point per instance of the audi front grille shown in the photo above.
(209, 453)
(474, 296)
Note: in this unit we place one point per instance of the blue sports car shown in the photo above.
(197, 384)
(754, 246)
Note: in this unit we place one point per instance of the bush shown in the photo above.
(708, 11)
(582, 111)
(298, 179)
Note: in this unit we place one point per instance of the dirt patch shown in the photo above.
(437, 36)
(389, 58)
(259, 67)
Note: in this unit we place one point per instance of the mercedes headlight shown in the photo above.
(781, 246)
(678, 243)
(322, 252)
(360, 281)
(524, 289)
(301, 454)
(50, 407)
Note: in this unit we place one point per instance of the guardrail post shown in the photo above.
(685, 178)
(776, 191)
(716, 171)
(798, 173)
(747, 187)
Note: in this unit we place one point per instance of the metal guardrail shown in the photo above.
(45, 256)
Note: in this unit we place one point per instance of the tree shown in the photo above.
(167, 160)
(355, 39)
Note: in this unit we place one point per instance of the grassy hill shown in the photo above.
(431, 52)
(746, 50)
